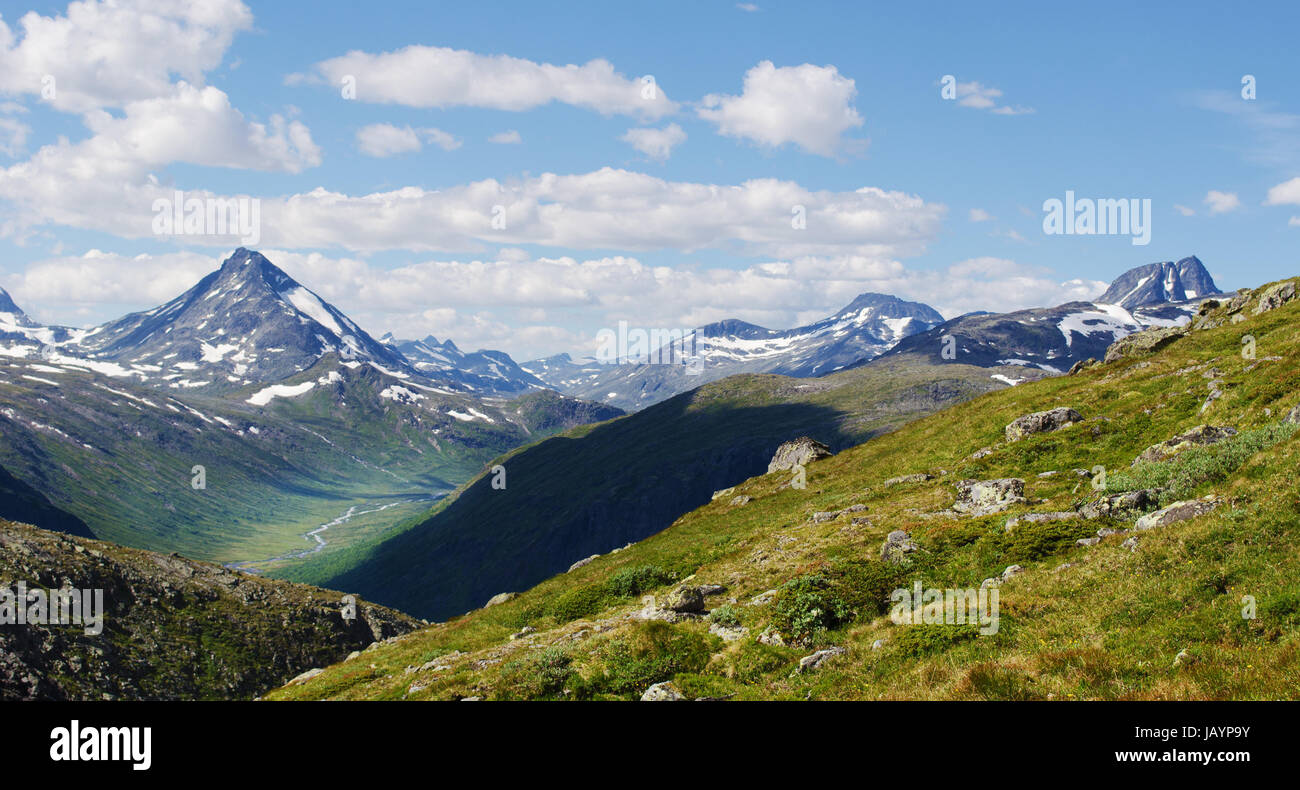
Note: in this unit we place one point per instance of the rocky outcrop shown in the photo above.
(663, 692)
(172, 628)
(1121, 504)
(815, 661)
(984, 497)
(500, 598)
(1275, 296)
(1041, 422)
(1178, 511)
(1145, 343)
(897, 546)
(797, 452)
(1041, 518)
(1199, 436)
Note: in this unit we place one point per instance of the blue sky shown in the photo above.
(382, 203)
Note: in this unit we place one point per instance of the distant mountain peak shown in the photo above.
(1159, 283)
(7, 305)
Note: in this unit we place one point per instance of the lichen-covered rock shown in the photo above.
(1178, 511)
(1293, 417)
(663, 692)
(983, 497)
(1041, 422)
(685, 600)
(1199, 436)
(815, 661)
(797, 452)
(499, 598)
(1120, 504)
(1143, 343)
(1275, 296)
(897, 546)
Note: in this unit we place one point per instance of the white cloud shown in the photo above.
(750, 7)
(1221, 202)
(980, 215)
(506, 138)
(109, 54)
(421, 76)
(1294, 222)
(655, 143)
(809, 106)
(983, 97)
(1286, 193)
(383, 139)
(85, 187)
(1184, 210)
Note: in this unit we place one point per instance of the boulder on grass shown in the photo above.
(1041, 422)
(797, 452)
(982, 497)
(1199, 436)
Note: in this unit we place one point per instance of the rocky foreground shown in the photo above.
(172, 628)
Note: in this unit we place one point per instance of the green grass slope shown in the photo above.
(1204, 608)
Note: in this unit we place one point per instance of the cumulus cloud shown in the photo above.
(384, 140)
(110, 53)
(94, 185)
(980, 215)
(655, 143)
(1221, 202)
(984, 97)
(1184, 210)
(429, 77)
(13, 136)
(809, 106)
(1286, 193)
(506, 138)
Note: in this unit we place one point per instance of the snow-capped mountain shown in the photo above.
(1052, 339)
(246, 323)
(1158, 283)
(868, 326)
(482, 371)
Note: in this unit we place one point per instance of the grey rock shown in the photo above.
(1087, 541)
(741, 500)
(685, 599)
(797, 452)
(897, 546)
(983, 497)
(728, 633)
(1041, 422)
(1178, 511)
(1199, 436)
(815, 661)
(1012, 570)
(763, 598)
(499, 598)
(1143, 343)
(662, 692)
(1119, 504)
(582, 562)
(1275, 296)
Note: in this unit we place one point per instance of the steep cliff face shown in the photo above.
(167, 627)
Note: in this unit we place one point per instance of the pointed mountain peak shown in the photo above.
(890, 306)
(1157, 283)
(7, 305)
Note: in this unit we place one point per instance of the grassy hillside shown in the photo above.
(600, 487)
(1150, 614)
